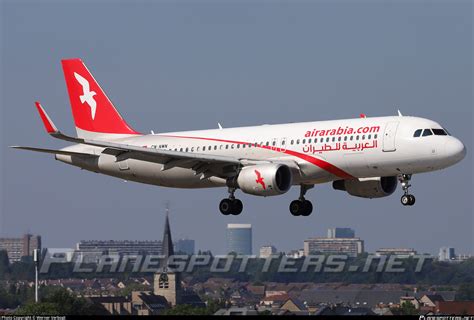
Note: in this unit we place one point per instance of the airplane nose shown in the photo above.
(454, 150)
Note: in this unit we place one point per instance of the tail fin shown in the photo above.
(93, 112)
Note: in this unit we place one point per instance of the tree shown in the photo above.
(408, 308)
(58, 301)
(465, 292)
(185, 310)
(4, 264)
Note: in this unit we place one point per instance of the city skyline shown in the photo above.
(237, 65)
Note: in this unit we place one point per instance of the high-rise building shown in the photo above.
(267, 251)
(341, 233)
(446, 254)
(185, 246)
(239, 238)
(348, 246)
(18, 248)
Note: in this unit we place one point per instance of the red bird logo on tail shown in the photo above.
(260, 179)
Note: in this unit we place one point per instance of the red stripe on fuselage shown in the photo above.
(317, 162)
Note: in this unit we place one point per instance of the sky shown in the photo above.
(185, 65)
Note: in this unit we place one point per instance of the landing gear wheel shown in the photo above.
(226, 207)
(237, 207)
(301, 208)
(408, 199)
(296, 206)
(308, 208)
(405, 200)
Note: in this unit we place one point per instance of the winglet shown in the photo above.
(47, 122)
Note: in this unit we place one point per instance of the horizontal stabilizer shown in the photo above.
(67, 153)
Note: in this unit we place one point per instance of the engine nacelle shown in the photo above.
(265, 179)
(377, 187)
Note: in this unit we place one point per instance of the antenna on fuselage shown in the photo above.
(399, 113)
(220, 127)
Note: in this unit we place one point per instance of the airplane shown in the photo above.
(365, 157)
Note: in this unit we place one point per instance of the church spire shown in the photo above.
(167, 241)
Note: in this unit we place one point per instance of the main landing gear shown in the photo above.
(407, 199)
(302, 207)
(231, 205)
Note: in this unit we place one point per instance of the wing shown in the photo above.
(83, 81)
(52, 151)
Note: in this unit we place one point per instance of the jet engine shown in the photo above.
(376, 187)
(265, 179)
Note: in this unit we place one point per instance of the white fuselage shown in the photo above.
(322, 151)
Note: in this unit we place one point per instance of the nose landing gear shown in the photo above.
(407, 199)
(231, 205)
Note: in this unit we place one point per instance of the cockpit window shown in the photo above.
(427, 132)
(439, 132)
(447, 132)
(417, 133)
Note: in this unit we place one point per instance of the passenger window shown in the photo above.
(322, 139)
(227, 146)
(187, 149)
(427, 132)
(339, 139)
(333, 139)
(357, 137)
(370, 136)
(439, 132)
(375, 136)
(345, 138)
(352, 138)
(298, 141)
(304, 140)
(363, 137)
(238, 146)
(292, 141)
(273, 143)
(417, 133)
(327, 139)
(309, 140)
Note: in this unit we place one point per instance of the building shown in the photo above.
(401, 252)
(446, 254)
(167, 282)
(239, 238)
(267, 251)
(17, 248)
(341, 233)
(295, 254)
(120, 247)
(348, 246)
(185, 246)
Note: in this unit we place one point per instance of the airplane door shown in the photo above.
(389, 137)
